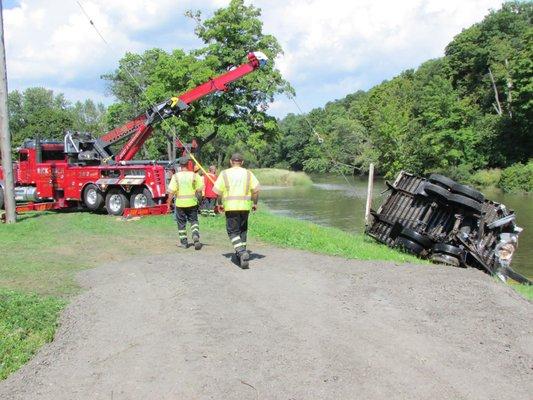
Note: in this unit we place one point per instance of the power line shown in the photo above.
(320, 140)
(141, 90)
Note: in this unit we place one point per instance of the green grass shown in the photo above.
(281, 177)
(42, 252)
(26, 323)
(288, 232)
(525, 290)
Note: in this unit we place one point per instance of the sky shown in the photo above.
(331, 47)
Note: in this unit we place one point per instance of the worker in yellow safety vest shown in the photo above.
(187, 187)
(238, 192)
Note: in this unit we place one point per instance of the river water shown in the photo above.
(332, 201)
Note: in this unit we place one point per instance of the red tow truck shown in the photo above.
(83, 170)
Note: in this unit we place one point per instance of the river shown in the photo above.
(332, 201)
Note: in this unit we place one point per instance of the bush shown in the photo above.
(518, 178)
(281, 177)
(486, 178)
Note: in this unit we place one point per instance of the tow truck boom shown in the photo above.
(140, 128)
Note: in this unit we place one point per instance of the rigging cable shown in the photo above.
(320, 140)
(143, 93)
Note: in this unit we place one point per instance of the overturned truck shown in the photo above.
(449, 223)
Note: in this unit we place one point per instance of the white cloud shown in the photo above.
(339, 35)
(332, 47)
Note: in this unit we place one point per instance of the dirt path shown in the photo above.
(295, 326)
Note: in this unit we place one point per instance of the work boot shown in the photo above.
(183, 243)
(243, 257)
(197, 243)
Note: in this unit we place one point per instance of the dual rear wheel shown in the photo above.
(116, 200)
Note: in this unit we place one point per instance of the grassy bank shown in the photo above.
(27, 321)
(42, 253)
(281, 177)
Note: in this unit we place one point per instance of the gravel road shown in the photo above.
(191, 325)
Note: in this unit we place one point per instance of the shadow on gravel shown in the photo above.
(233, 257)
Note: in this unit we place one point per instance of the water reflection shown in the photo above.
(331, 201)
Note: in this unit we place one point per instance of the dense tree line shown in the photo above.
(468, 110)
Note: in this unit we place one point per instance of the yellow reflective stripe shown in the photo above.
(248, 182)
(235, 239)
(185, 196)
(226, 180)
(237, 245)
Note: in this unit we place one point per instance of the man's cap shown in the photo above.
(237, 157)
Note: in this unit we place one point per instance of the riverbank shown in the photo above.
(281, 177)
(517, 178)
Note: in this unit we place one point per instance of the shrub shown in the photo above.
(518, 178)
(486, 177)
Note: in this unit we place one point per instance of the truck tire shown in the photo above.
(116, 201)
(465, 203)
(442, 181)
(141, 197)
(1, 198)
(92, 197)
(468, 192)
(438, 192)
(416, 237)
(409, 246)
(446, 259)
(448, 249)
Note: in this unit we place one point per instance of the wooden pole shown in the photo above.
(5, 137)
(369, 193)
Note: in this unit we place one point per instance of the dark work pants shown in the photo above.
(237, 228)
(208, 206)
(190, 214)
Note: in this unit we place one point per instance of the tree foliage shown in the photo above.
(449, 115)
(221, 123)
(39, 112)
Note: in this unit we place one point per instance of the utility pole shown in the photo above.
(5, 137)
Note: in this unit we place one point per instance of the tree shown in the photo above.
(233, 120)
(38, 112)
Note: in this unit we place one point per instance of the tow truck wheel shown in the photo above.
(141, 197)
(116, 201)
(1, 198)
(92, 197)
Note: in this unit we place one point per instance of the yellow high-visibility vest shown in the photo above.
(236, 186)
(184, 185)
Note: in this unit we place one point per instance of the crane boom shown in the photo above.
(141, 127)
